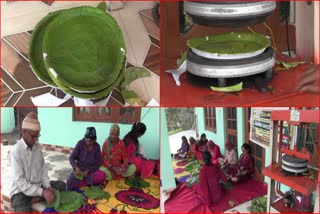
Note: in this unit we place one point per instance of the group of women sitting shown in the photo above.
(218, 169)
(119, 158)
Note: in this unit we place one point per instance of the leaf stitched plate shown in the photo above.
(84, 49)
(94, 95)
(230, 45)
(35, 49)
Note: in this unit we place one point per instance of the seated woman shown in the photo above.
(144, 167)
(86, 160)
(245, 167)
(193, 148)
(214, 150)
(202, 143)
(231, 156)
(211, 178)
(115, 156)
(185, 147)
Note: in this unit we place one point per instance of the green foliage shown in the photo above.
(194, 168)
(179, 118)
(95, 192)
(259, 205)
(136, 182)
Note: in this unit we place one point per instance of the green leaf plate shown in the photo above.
(35, 49)
(56, 202)
(84, 49)
(93, 95)
(233, 44)
(70, 201)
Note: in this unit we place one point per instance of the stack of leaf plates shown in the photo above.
(80, 50)
(229, 46)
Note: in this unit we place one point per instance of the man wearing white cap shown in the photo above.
(29, 173)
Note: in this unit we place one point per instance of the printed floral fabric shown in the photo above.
(131, 200)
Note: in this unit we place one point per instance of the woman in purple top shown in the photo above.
(185, 147)
(86, 160)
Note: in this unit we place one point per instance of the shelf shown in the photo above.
(280, 207)
(300, 183)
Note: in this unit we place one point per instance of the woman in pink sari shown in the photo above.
(245, 168)
(214, 150)
(144, 167)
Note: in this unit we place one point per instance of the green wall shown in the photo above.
(7, 120)
(57, 128)
(167, 176)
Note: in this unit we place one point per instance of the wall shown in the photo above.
(57, 128)
(167, 176)
(305, 22)
(7, 120)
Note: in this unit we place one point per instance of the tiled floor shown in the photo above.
(58, 167)
(142, 39)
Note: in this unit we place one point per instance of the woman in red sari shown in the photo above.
(193, 148)
(115, 156)
(210, 187)
(144, 167)
(245, 168)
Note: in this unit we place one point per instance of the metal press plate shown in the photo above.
(229, 10)
(294, 170)
(230, 68)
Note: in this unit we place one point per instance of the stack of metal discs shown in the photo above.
(293, 164)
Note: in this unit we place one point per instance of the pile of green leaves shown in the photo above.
(136, 182)
(194, 168)
(95, 192)
(259, 205)
(67, 201)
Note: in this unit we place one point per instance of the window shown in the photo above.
(111, 115)
(210, 119)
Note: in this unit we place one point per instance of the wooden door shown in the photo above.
(231, 126)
